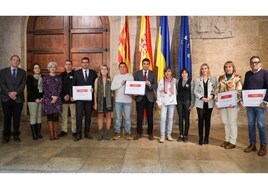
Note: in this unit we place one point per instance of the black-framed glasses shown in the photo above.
(254, 62)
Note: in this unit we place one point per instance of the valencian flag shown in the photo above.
(124, 47)
(185, 59)
(145, 43)
(163, 47)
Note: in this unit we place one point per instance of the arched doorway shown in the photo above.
(57, 38)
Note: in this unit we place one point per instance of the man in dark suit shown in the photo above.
(12, 84)
(83, 77)
(146, 101)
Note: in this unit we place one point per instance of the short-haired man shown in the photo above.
(256, 78)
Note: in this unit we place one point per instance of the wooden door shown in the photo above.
(58, 38)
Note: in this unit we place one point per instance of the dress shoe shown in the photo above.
(5, 140)
(17, 139)
(180, 139)
(62, 133)
(229, 146)
(262, 151)
(200, 142)
(185, 139)
(89, 136)
(205, 141)
(250, 148)
(225, 143)
(137, 137)
(77, 137)
(150, 137)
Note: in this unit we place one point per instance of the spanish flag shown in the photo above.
(145, 43)
(163, 47)
(124, 45)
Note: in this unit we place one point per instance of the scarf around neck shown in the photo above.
(40, 81)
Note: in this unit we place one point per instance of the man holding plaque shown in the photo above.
(145, 101)
(256, 78)
(84, 77)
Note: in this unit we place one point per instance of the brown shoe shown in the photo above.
(225, 143)
(229, 146)
(150, 137)
(262, 151)
(137, 137)
(250, 148)
(180, 139)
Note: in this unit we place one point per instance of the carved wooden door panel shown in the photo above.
(57, 38)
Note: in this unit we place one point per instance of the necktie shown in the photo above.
(145, 75)
(14, 76)
(86, 75)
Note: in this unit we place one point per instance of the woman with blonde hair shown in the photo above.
(204, 91)
(228, 82)
(103, 101)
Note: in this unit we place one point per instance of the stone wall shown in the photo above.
(214, 40)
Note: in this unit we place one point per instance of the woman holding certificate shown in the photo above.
(166, 101)
(103, 101)
(230, 81)
(204, 91)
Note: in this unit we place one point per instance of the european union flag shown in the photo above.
(185, 59)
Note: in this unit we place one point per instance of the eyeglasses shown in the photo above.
(255, 62)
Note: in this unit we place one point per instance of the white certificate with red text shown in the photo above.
(135, 88)
(83, 93)
(227, 99)
(254, 97)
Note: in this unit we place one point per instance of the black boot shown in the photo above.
(38, 130)
(34, 135)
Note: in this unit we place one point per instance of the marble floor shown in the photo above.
(122, 156)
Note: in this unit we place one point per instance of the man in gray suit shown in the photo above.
(145, 101)
(12, 84)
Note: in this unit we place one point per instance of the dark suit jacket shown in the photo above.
(6, 84)
(149, 91)
(79, 79)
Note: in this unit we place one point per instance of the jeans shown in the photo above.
(166, 110)
(256, 115)
(122, 109)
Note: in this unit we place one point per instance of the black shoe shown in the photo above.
(137, 137)
(5, 140)
(62, 133)
(89, 136)
(17, 139)
(77, 137)
(200, 142)
(205, 141)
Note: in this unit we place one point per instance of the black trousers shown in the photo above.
(204, 117)
(11, 109)
(149, 106)
(86, 107)
(184, 117)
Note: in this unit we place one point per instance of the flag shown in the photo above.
(163, 47)
(124, 45)
(185, 59)
(145, 44)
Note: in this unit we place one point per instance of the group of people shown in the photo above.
(52, 95)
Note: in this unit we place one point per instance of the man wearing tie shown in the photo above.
(12, 84)
(145, 101)
(83, 77)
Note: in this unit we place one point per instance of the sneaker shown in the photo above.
(100, 136)
(128, 136)
(169, 138)
(162, 139)
(116, 136)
